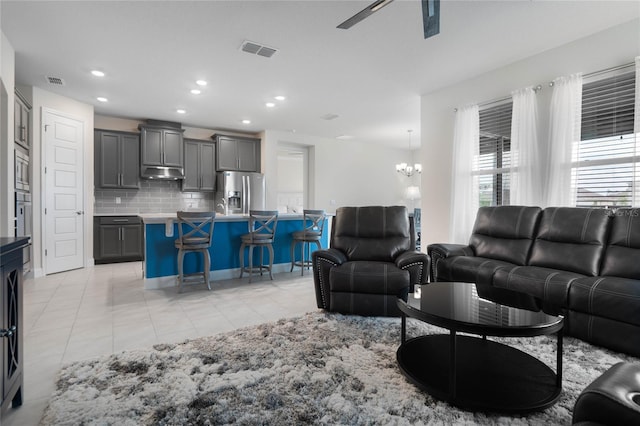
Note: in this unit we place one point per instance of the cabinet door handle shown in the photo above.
(121, 220)
(22, 131)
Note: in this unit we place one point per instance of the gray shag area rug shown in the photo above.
(316, 369)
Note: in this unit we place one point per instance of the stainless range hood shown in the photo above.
(165, 173)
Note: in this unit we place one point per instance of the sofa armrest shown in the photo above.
(417, 263)
(323, 261)
(440, 251)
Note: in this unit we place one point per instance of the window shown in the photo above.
(494, 161)
(606, 161)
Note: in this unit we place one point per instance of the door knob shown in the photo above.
(79, 212)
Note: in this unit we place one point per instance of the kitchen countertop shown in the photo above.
(164, 217)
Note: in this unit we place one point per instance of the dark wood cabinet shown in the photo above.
(161, 146)
(11, 321)
(117, 239)
(236, 153)
(199, 166)
(117, 159)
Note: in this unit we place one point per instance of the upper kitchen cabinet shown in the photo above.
(21, 119)
(161, 146)
(236, 153)
(117, 159)
(199, 166)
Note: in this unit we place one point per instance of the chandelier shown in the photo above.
(405, 168)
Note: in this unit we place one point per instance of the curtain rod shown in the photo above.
(502, 99)
(539, 87)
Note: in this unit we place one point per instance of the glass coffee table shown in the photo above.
(470, 371)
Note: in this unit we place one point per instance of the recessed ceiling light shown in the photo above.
(97, 73)
(270, 104)
(102, 99)
(181, 111)
(195, 91)
(246, 121)
(344, 137)
(201, 83)
(280, 98)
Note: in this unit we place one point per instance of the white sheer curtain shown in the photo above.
(525, 174)
(564, 133)
(465, 196)
(636, 125)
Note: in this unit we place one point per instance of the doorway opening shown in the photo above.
(293, 178)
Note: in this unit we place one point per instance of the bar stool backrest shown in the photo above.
(314, 223)
(196, 228)
(262, 224)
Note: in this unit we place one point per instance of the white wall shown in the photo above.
(352, 173)
(615, 46)
(82, 112)
(7, 75)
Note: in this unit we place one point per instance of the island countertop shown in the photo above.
(164, 217)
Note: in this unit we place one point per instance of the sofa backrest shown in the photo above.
(622, 254)
(372, 233)
(504, 232)
(571, 239)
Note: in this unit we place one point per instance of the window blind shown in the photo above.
(606, 164)
(495, 159)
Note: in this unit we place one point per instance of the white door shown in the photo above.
(64, 193)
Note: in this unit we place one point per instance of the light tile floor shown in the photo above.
(89, 312)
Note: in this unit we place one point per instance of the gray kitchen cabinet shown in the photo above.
(117, 161)
(117, 239)
(236, 153)
(199, 166)
(161, 146)
(21, 119)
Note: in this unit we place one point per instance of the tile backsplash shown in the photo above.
(154, 196)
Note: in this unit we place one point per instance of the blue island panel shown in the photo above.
(161, 254)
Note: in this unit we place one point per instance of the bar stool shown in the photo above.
(195, 233)
(311, 233)
(262, 231)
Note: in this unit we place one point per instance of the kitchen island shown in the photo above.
(161, 230)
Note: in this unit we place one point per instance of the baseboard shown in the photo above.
(219, 275)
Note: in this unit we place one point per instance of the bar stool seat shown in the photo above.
(195, 234)
(311, 233)
(262, 231)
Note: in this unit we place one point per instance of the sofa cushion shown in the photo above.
(609, 297)
(504, 232)
(466, 268)
(372, 233)
(368, 277)
(549, 285)
(622, 254)
(571, 239)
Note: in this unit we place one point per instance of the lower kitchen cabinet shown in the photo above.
(117, 239)
(11, 322)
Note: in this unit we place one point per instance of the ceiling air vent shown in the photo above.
(329, 117)
(257, 49)
(55, 81)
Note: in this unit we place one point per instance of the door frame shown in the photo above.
(44, 111)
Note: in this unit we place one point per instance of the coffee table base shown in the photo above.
(489, 376)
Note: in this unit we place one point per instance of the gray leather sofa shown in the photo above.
(370, 263)
(583, 263)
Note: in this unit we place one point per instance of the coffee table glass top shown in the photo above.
(458, 307)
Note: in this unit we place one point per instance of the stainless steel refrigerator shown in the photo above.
(239, 192)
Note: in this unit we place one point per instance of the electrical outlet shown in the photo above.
(118, 200)
(332, 202)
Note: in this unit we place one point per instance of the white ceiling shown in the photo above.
(371, 76)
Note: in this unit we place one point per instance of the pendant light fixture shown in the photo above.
(405, 168)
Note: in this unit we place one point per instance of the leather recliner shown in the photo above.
(372, 261)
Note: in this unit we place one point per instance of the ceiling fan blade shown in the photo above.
(431, 17)
(364, 13)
